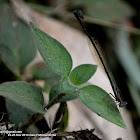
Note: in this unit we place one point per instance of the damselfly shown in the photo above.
(118, 97)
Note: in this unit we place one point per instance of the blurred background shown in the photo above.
(114, 23)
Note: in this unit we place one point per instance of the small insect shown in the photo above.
(118, 97)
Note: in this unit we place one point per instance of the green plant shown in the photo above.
(71, 84)
(59, 60)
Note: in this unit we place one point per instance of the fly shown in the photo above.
(118, 97)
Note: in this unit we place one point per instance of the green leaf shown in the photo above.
(67, 97)
(16, 43)
(55, 91)
(10, 58)
(64, 87)
(82, 74)
(18, 114)
(61, 118)
(101, 103)
(43, 72)
(48, 85)
(53, 52)
(24, 94)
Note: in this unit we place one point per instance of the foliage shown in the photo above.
(69, 83)
(24, 99)
(24, 94)
(18, 114)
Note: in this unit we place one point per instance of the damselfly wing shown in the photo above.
(95, 55)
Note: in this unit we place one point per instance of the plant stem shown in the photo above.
(55, 100)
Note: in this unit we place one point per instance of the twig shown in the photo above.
(80, 135)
